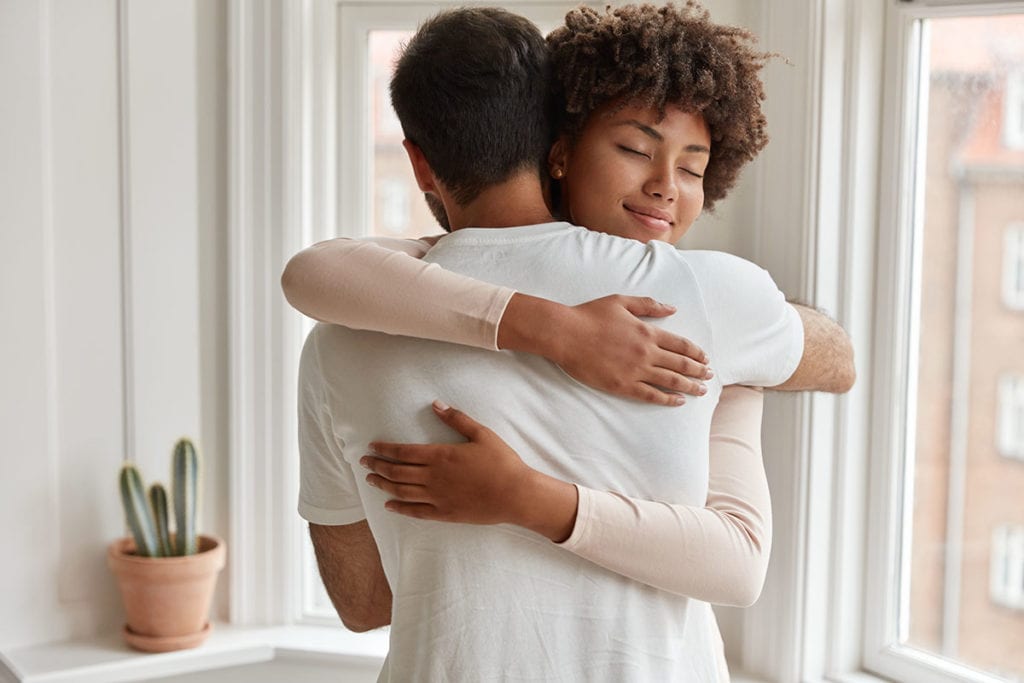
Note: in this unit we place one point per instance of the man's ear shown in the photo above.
(558, 158)
(420, 168)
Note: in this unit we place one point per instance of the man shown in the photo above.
(477, 603)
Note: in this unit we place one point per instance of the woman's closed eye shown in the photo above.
(693, 173)
(637, 152)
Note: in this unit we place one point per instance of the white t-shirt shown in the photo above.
(478, 603)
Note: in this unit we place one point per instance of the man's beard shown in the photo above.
(437, 208)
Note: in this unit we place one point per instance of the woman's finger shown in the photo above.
(673, 382)
(459, 421)
(646, 307)
(683, 347)
(683, 366)
(417, 510)
(409, 453)
(412, 493)
(395, 471)
(649, 394)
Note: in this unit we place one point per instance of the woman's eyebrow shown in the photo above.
(650, 132)
(646, 130)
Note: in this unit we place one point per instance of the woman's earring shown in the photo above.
(557, 173)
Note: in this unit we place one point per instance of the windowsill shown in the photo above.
(106, 658)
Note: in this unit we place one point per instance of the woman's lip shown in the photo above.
(650, 222)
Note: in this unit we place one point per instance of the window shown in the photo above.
(1013, 134)
(953, 340)
(1011, 416)
(1006, 585)
(1013, 267)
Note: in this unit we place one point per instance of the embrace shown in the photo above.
(532, 445)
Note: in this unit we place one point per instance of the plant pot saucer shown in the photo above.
(165, 643)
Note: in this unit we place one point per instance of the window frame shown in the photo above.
(1013, 264)
(1007, 550)
(1013, 132)
(1010, 408)
(898, 314)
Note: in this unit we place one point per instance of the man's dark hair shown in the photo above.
(472, 91)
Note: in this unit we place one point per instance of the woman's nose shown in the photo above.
(662, 186)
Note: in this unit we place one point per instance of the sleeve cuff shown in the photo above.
(496, 313)
(317, 515)
(579, 529)
(797, 353)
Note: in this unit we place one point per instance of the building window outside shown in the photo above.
(1006, 585)
(392, 206)
(1013, 131)
(1011, 416)
(1013, 267)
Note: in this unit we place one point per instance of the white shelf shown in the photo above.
(106, 659)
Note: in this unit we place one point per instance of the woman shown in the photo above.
(656, 129)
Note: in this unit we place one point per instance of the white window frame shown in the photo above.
(1010, 427)
(841, 164)
(1013, 114)
(287, 191)
(897, 302)
(1006, 585)
(1013, 266)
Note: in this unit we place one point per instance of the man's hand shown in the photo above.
(604, 344)
(481, 481)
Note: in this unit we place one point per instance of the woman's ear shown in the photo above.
(558, 158)
(420, 167)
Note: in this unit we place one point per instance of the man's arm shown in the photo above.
(351, 570)
(827, 363)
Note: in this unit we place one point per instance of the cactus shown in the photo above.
(137, 512)
(149, 520)
(185, 483)
(158, 504)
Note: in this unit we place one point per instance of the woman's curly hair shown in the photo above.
(665, 56)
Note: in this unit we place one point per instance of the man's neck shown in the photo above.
(518, 201)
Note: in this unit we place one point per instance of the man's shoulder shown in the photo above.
(320, 341)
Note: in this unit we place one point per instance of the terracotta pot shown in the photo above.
(167, 599)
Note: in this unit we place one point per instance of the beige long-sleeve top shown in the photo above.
(717, 553)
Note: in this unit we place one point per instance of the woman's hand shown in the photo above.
(604, 344)
(481, 481)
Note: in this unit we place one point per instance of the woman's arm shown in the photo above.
(717, 553)
(380, 284)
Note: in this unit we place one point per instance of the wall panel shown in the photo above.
(99, 288)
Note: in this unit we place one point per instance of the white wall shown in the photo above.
(113, 174)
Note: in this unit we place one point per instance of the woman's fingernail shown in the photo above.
(365, 462)
(441, 406)
(701, 389)
(709, 374)
(370, 481)
(679, 400)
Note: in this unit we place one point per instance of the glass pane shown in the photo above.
(398, 208)
(965, 493)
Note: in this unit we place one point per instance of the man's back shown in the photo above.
(480, 603)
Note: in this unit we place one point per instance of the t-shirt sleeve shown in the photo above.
(381, 284)
(718, 553)
(328, 493)
(757, 337)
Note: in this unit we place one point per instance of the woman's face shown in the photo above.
(632, 175)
